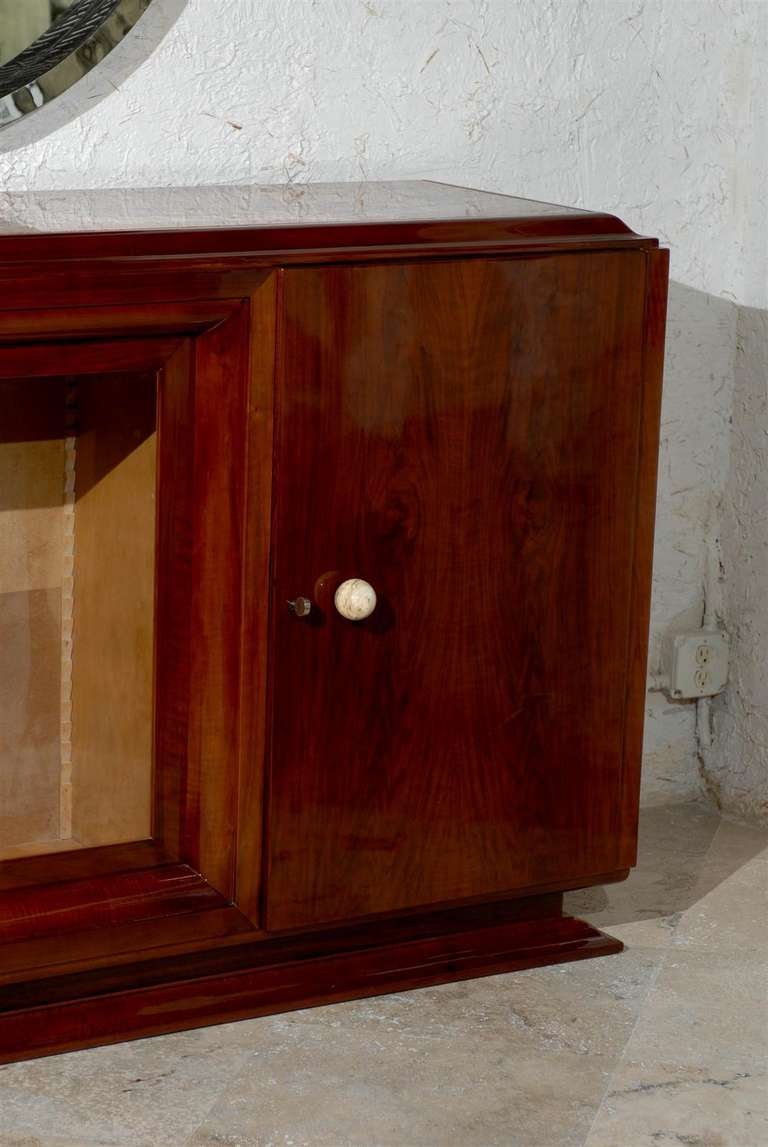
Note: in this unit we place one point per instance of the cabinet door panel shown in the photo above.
(464, 436)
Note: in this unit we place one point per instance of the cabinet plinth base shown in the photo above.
(273, 975)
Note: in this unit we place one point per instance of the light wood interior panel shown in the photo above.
(112, 679)
(76, 605)
(31, 469)
(29, 716)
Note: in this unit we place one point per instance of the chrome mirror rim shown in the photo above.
(67, 51)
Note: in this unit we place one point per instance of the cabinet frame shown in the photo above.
(168, 930)
(178, 887)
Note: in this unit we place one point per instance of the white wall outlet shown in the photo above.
(696, 663)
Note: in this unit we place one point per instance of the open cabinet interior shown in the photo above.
(77, 587)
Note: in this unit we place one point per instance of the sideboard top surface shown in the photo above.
(242, 220)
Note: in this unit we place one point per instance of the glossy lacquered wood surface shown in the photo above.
(237, 983)
(642, 560)
(464, 436)
(180, 886)
(105, 901)
(452, 395)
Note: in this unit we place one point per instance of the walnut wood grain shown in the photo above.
(105, 901)
(465, 438)
(255, 659)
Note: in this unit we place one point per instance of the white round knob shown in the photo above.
(355, 599)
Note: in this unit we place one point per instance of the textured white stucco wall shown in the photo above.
(738, 769)
(639, 107)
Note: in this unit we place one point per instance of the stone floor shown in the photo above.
(664, 1044)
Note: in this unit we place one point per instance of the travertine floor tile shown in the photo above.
(320, 1090)
(521, 1059)
(50, 1141)
(730, 912)
(706, 1009)
(660, 1045)
(588, 1007)
(730, 909)
(665, 1104)
(736, 844)
(429, 1097)
(644, 910)
(151, 1093)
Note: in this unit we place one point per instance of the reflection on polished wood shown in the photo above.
(459, 435)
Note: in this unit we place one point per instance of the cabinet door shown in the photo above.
(122, 470)
(464, 436)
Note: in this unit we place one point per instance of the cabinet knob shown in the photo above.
(355, 599)
(300, 606)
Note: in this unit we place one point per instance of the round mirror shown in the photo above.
(48, 45)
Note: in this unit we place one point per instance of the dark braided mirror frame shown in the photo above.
(79, 39)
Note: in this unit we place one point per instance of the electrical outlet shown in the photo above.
(697, 663)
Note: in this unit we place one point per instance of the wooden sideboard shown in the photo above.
(227, 786)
